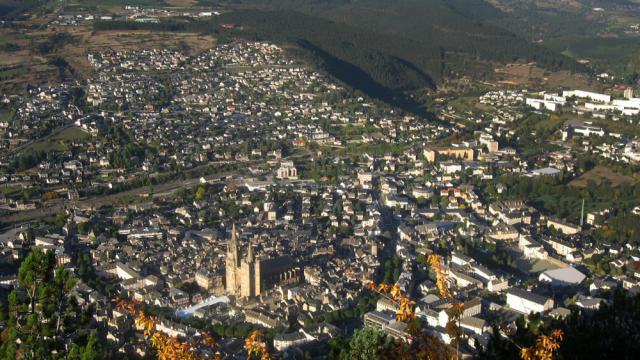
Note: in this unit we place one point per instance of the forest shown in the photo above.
(380, 48)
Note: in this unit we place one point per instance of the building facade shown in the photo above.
(251, 276)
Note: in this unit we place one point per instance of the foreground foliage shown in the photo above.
(42, 320)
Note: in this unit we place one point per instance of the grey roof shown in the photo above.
(566, 275)
(539, 299)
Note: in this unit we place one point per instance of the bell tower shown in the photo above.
(232, 264)
(248, 275)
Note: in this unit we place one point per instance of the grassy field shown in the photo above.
(6, 115)
(539, 266)
(57, 142)
(533, 75)
(7, 37)
(12, 72)
(24, 65)
(601, 175)
(618, 55)
(33, 67)
(71, 134)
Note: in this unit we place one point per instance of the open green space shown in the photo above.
(58, 141)
(10, 73)
(618, 55)
(6, 115)
(601, 175)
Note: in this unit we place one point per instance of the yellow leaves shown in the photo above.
(148, 323)
(130, 306)
(255, 345)
(158, 340)
(457, 309)
(167, 347)
(210, 341)
(441, 281)
(545, 347)
(406, 311)
(395, 292)
(558, 335)
(371, 286)
(526, 354)
(171, 348)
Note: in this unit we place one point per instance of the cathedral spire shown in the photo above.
(233, 232)
(233, 243)
(250, 253)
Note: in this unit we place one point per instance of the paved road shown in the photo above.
(52, 208)
(187, 312)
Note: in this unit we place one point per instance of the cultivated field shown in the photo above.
(532, 75)
(601, 175)
(25, 62)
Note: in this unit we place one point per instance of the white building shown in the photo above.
(562, 277)
(632, 150)
(287, 170)
(284, 341)
(527, 302)
(542, 104)
(587, 95)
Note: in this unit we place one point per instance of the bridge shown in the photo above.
(187, 312)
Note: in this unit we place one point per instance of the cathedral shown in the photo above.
(250, 276)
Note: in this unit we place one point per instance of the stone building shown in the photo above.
(253, 275)
(287, 170)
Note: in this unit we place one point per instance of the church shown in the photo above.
(250, 276)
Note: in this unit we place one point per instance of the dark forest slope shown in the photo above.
(415, 39)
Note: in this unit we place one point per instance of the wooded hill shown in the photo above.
(402, 44)
(385, 46)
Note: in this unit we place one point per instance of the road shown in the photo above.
(187, 312)
(51, 208)
(54, 207)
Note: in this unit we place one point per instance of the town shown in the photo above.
(242, 189)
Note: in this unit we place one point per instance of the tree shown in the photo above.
(60, 220)
(46, 320)
(91, 349)
(369, 343)
(200, 193)
(338, 348)
(34, 271)
(84, 228)
(63, 283)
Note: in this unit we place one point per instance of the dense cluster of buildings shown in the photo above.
(152, 111)
(595, 139)
(275, 248)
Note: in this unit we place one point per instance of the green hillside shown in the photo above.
(10, 9)
(443, 36)
(383, 48)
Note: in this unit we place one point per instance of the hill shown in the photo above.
(440, 38)
(10, 9)
(381, 48)
(600, 31)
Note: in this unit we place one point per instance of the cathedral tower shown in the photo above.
(248, 275)
(232, 268)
